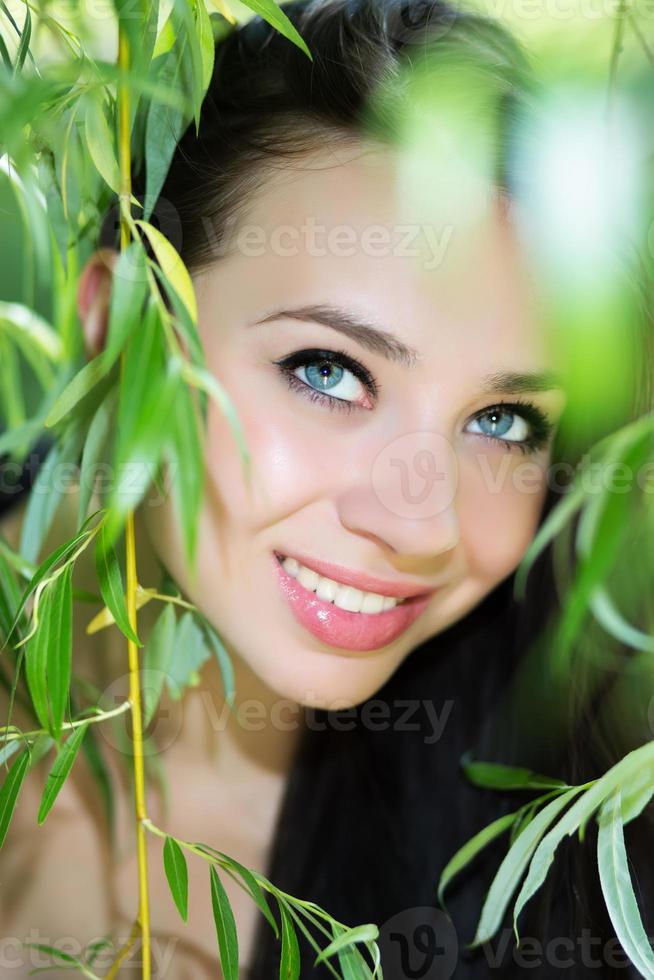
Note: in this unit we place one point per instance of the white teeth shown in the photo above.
(308, 578)
(344, 596)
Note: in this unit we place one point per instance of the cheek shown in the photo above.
(285, 470)
(500, 503)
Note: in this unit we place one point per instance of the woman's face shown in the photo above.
(389, 462)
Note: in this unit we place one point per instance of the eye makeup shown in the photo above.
(540, 426)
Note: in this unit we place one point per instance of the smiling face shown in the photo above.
(367, 382)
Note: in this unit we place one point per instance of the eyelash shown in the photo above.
(541, 427)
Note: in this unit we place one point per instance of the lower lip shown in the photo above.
(349, 630)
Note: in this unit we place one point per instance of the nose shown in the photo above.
(405, 495)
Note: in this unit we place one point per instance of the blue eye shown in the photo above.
(331, 378)
(527, 429)
(335, 380)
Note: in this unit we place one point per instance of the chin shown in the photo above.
(326, 680)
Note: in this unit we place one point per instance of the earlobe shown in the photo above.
(93, 293)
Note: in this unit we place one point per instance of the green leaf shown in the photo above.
(558, 517)
(249, 880)
(184, 16)
(172, 266)
(111, 584)
(24, 46)
(225, 927)
(47, 492)
(357, 934)
(205, 381)
(128, 292)
(7, 749)
(622, 772)
(31, 330)
(612, 620)
(60, 554)
(165, 123)
(206, 41)
(58, 954)
(187, 468)
(156, 663)
(78, 387)
(224, 662)
(618, 889)
(148, 393)
(10, 790)
(177, 875)
(513, 866)
(49, 653)
(96, 440)
(276, 17)
(494, 775)
(60, 649)
(637, 794)
(289, 966)
(100, 141)
(191, 651)
(471, 848)
(59, 772)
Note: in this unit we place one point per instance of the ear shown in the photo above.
(93, 293)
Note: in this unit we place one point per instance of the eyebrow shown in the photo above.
(379, 341)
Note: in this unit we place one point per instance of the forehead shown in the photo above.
(339, 228)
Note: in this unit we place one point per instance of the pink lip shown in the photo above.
(362, 581)
(349, 630)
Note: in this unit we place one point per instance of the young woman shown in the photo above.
(401, 409)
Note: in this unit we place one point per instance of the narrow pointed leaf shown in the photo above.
(111, 584)
(177, 875)
(96, 440)
(172, 266)
(289, 966)
(357, 934)
(10, 790)
(250, 882)
(156, 662)
(513, 866)
(60, 770)
(101, 143)
(224, 661)
(471, 848)
(618, 889)
(129, 287)
(269, 10)
(225, 927)
(187, 464)
(80, 385)
(493, 775)
(60, 648)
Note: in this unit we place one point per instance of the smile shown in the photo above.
(340, 614)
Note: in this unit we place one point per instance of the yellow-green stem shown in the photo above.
(10, 736)
(130, 549)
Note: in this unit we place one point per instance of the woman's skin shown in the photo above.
(337, 486)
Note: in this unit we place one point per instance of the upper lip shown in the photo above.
(361, 580)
